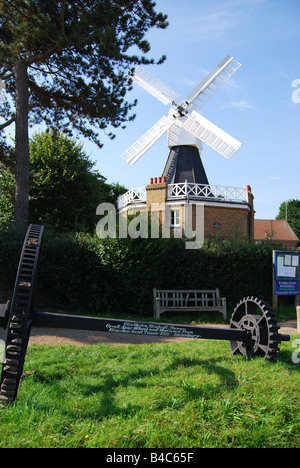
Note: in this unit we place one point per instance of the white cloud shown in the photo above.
(239, 104)
(214, 21)
(232, 85)
(210, 25)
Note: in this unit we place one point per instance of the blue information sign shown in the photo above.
(287, 273)
(287, 288)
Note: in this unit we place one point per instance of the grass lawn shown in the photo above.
(192, 394)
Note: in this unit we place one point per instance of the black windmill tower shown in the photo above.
(184, 164)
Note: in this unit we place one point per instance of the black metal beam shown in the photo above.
(45, 319)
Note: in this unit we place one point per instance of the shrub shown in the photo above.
(87, 274)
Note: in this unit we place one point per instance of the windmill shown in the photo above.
(186, 128)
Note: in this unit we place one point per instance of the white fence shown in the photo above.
(198, 191)
(133, 195)
(188, 190)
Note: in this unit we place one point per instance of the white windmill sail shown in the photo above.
(139, 148)
(154, 86)
(210, 134)
(214, 81)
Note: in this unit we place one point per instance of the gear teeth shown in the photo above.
(11, 349)
(5, 400)
(258, 325)
(271, 313)
(21, 314)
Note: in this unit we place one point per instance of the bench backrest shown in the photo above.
(187, 298)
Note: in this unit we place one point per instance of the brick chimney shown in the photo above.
(156, 191)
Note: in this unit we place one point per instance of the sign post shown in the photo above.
(286, 275)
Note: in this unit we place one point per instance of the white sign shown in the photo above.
(286, 271)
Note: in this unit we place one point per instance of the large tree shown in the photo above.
(67, 63)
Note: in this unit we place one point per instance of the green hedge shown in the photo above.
(86, 274)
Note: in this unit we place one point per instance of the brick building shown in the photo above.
(184, 187)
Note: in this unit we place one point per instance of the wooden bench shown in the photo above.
(189, 301)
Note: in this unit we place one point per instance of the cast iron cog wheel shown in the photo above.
(259, 318)
(20, 315)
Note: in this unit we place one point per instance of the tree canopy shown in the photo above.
(291, 210)
(7, 187)
(65, 190)
(67, 63)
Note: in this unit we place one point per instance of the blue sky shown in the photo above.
(255, 106)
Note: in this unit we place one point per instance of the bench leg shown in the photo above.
(224, 308)
(157, 309)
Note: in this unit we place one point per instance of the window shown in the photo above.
(175, 218)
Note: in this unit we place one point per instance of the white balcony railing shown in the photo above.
(198, 191)
(188, 191)
(133, 195)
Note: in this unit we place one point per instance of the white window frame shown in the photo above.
(175, 218)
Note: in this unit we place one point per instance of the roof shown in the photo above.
(275, 230)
